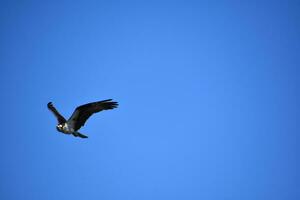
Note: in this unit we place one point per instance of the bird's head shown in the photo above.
(59, 127)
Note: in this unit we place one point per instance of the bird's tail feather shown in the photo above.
(77, 134)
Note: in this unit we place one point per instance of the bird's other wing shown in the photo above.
(83, 112)
(58, 116)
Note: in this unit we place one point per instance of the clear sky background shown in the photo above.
(208, 93)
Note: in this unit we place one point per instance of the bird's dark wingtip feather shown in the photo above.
(49, 104)
(106, 100)
(110, 105)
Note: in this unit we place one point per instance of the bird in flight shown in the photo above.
(80, 116)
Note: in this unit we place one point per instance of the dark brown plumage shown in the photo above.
(83, 112)
(59, 117)
(80, 116)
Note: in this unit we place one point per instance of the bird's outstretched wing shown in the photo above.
(83, 112)
(59, 117)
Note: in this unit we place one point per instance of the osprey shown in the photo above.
(80, 115)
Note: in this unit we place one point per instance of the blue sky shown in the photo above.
(208, 94)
